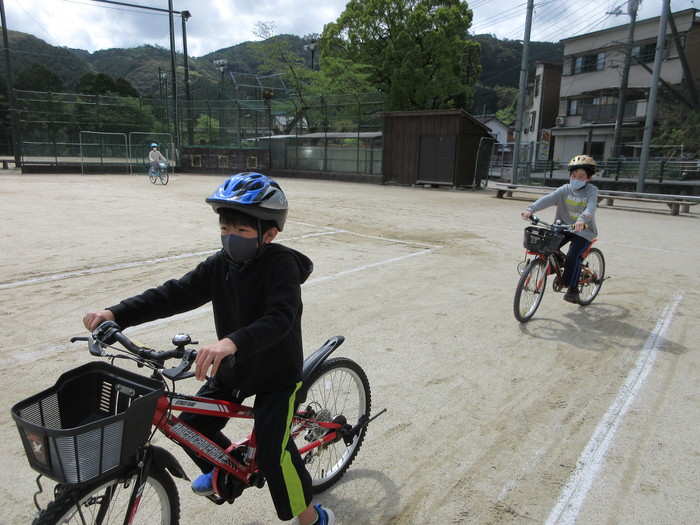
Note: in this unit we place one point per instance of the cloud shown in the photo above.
(217, 24)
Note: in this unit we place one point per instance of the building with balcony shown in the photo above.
(591, 78)
(540, 115)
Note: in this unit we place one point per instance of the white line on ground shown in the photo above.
(590, 461)
(35, 355)
(134, 264)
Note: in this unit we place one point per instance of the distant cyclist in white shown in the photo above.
(155, 157)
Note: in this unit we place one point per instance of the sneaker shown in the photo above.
(325, 516)
(571, 297)
(203, 485)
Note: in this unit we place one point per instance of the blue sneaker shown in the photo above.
(203, 485)
(325, 516)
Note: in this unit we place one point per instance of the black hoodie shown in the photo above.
(257, 305)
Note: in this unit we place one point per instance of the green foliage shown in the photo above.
(37, 77)
(414, 51)
(63, 62)
(102, 84)
(501, 63)
(207, 130)
(508, 101)
(678, 131)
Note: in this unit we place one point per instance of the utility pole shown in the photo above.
(521, 94)
(653, 91)
(11, 98)
(632, 6)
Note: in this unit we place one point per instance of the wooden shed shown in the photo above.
(432, 147)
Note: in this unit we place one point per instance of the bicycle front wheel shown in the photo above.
(592, 276)
(152, 175)
(164, 177)
(530, 289)
(107, 502)
(338, 391)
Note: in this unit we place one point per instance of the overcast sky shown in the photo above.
(217, 24)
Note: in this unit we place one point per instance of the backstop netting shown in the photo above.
(102, 152)
(140, 146)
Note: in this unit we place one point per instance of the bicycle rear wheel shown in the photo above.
(164, 177)
(338, 391)
(530, 289)
(592, 276)
(106, 502)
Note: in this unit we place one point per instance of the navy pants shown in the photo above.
(572, 267)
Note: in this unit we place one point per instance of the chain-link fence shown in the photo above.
(50, 125)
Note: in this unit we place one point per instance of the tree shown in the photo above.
(415, 51)
(102, 84)
(205, 130)
(37, 77)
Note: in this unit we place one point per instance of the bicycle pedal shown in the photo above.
(216, 499)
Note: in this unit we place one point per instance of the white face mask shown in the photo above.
(577, 184)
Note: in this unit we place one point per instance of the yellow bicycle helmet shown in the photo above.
(585, 162)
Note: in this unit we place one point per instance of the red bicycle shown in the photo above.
(92, 431)
(542, 258)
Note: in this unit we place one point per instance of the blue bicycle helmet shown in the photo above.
(154, 145)
(253, 194)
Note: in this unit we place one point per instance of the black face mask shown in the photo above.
(240, 249)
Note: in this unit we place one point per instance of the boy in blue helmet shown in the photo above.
(254, 286)
(576, 203)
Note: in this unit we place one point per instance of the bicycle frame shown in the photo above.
(543, 259)
(243, 467)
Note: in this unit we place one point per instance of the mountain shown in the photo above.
(143, 66)
(64, 62)
(501, 60)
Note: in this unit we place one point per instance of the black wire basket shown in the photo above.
(541, 240)
(89, 423)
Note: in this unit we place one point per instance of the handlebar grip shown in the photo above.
(107, 332)
(228, 361)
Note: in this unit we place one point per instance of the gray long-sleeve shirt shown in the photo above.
(572, 205)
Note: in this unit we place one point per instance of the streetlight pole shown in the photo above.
(221, 66)
(311, 47)
(176, 120)
(170, 12)
(188, 96)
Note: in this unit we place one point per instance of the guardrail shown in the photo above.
(675, 203)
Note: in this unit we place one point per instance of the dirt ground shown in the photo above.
(584, 414)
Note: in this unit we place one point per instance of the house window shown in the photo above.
(645, 52)
(576, 104)
(588, 63)
(533, 121)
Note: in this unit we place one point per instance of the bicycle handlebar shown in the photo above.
(561, 227)
(109, 332)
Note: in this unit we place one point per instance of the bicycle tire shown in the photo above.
(164, 177)
(159, 505)
(338, 387)
(152, 175)
(529, 290)
(592, 276)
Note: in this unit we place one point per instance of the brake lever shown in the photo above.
(181, 371)
(95, 347)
